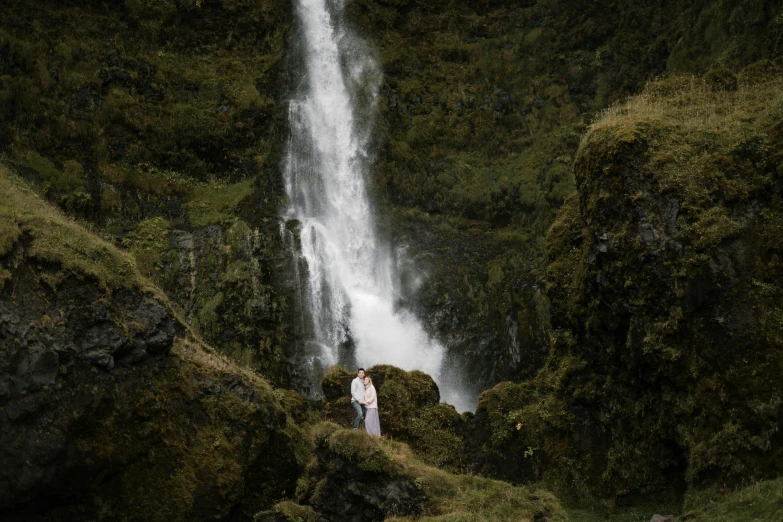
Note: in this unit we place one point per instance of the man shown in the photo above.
(357, 397)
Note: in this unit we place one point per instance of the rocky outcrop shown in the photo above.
(108, 409)
(352, 480)
(663, 277)
(410, 411)
(354, 476)
(167, 143)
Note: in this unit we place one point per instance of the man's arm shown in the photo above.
(355, 390)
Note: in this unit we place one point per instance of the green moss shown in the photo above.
(54, 238)
(170, 464)
(148, 243)
(760, 501)
(639, 393)
(448, 497)
(433, 437)
(720, 79)
(291, 511)
(216, 202)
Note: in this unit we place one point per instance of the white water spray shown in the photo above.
(349, 283)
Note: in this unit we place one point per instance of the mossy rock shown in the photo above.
(145, 422)
(336, 383)
(661, 285)
(759, 72)
(287, 511)
(436, 437)
(402, 396)
(354, 476)
(720, 79)
(408, 409)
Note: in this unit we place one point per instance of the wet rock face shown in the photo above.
(45, 335)
(231, 286)
(478, 294)
(665, 308)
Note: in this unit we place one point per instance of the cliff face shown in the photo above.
(637, 271)
(665, 361)
(108, 408)
(159, 123)
(481, 113)
(162, 122)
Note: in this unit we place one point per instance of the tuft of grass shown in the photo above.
(202, 356)
(761, 502)
(216, 202)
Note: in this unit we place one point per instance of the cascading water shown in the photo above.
(348, 286)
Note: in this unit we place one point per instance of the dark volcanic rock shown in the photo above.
(107, 409)
(351, 480)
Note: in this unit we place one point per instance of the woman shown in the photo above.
(371, 421)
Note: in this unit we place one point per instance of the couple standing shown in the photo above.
(364, 400)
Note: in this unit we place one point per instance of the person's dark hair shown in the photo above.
(360, 370)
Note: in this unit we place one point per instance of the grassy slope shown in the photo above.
(135, 477)
(449, 497)
(154, 120)
(55, 238)
(761, 502)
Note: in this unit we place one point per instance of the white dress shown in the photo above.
(371, 421)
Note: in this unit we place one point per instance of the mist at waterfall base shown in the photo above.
(348, 278)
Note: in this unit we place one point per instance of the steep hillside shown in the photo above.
(162, 123)
(159, 122)
(109, 410)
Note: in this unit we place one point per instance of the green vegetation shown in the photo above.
(446, 496)
(31, 228)
(481, 112)
(664, 365)
(212, 453)
(651, 242)
(166, 440)
(760, 502)
(217, 203)
(150, 121)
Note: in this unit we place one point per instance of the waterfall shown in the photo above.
(348, 277)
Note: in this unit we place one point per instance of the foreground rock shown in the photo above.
(105, 413)
(355, 477)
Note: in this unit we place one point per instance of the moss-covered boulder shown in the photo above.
(409, 410)
(402, 396)
(664, 280)
(287, 511)
(357, 477)
(108, 408)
